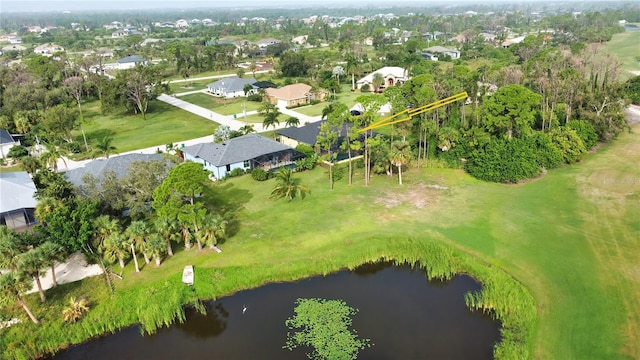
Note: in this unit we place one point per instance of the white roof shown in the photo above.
(395, 71)
(16, 191)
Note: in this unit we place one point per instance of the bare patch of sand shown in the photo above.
(74, 269)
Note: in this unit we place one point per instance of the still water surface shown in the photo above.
(405, 316)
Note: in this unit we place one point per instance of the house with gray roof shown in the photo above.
(6, 143)
(131, 61)
(118, 164)
(454, 54)
(232, 87)
(17, 199)
(247, 152)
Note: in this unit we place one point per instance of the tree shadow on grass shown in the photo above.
(227, 199)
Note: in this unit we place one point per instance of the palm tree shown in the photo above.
(116, 246)
(399, 155)
(13, 286)
(52, 252)
(247, 129)
(212, 229)
(51, 157)
(10, 248)
(292, 121)
(75, 309)
(377, 82)
(287, 186)
(168, 230)
(104, 146)
(137, 232)
(30, 263)
(352, 67)
(156, 246)
(266, 108)
(271, 120)
(327, 110)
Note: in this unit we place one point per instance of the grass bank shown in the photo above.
(571, 237)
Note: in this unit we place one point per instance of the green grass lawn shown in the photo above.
(164, 124)
(625, 47)
(311, 110)
(180, 87)
(221, 106)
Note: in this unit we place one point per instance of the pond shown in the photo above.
(405, 316)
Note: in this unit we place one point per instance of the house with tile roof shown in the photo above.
(232, 87)
(247, 152)
(293, 95)
(17, 199)
(393, 76)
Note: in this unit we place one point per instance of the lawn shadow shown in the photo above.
(228, 200)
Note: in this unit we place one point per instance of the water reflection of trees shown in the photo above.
(200, 325)
(371, 268)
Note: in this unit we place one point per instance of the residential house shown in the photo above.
(182, 23)
(293, 95)
(48, 49)
(294, 136)
(17, 199)
(308, 135)
(231, 87)
(454, 54)
(15, 40)
(264, 43)
(300, 40)
(393, 76)
(118, 34)
(507, 43)
(13, 48)
(247, 152)
(429, 56)
(118, 164)
(432, 36)
(131, 61)
(6, 143)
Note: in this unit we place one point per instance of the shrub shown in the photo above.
(255, 97)
(569, 143)
(75, 310)
(586, 132)
(260, 174)
(17, 152)
(235, 172)
(547, 154)
(305, 149)
(365, 88)
(506, 161)
(74, 147)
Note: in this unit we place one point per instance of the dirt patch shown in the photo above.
(615, 181)
(418, 196)
(633, 114)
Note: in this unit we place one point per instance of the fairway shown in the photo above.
(625, 46)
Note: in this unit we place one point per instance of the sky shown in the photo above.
(7, 6)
